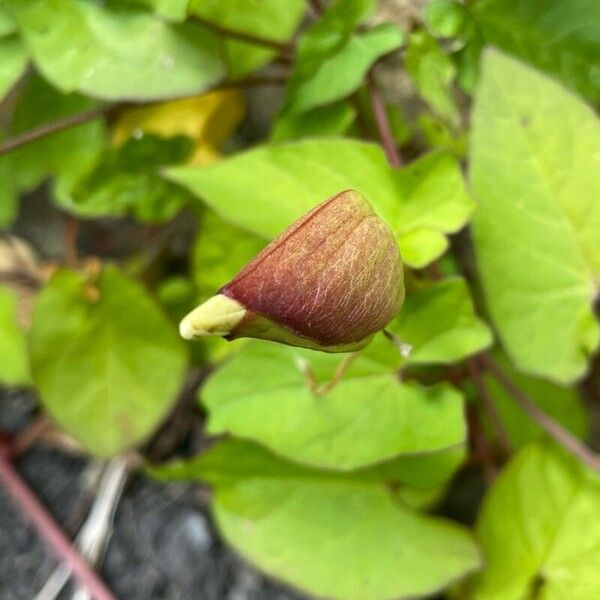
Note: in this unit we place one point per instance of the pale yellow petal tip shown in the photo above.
(218, 316)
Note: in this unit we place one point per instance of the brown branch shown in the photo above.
(279, 47)
(383, 124)
(480, 446)
(546, 422)
(76, 119)
(316, 7)
(488, 405)
(21, 278)
(26, 501)
(47, 129)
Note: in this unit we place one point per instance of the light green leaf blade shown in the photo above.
(14, 366)
(326, 72)
(550, 547)
(172, 10)
(432, 73)
(562, 38)
(535, 158)
(7, 24)
(219, 254)
(263, 394)
(445, 18)
(64, 154)
(331, 120)
(106, 369)
(561, 403)
(117, 52)
(333, 535)
(13, 62)
(429, 194)
(439, 322)
(233, 460)
(421, 246)
(270, 19)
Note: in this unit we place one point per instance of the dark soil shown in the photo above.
(164, 545)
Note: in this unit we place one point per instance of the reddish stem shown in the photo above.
(546, 422)
(52, 127)
(316, 7)
(25, 500)
(382, 121)
(275, 45)
(480, 446)
(488, 405)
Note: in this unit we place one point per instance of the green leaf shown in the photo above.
(263, 394)
(220, 252)
(334, 119)
(540, 530)
(117, 52)
(13, 62)
(64, 154)
(446, 18)
(126, 181)
(172, 10)
(270, 19)
(7, 24)
(564, 404)
(432, 73)
(14, 366)
(333, 535)
(106, 362)
(233, 460)
(429, 195)
(536, 228)
(332, 61)
(439, 322)
(562, 38)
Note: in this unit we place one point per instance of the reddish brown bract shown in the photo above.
(334, 277)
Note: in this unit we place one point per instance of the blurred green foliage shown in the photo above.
(327, 492)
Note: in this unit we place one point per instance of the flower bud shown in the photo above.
(329, 282)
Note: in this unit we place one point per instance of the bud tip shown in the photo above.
(218, 316)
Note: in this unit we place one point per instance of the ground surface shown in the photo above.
(164, 546)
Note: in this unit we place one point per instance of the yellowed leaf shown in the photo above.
(210, 119)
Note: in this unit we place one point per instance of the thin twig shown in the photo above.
(488, 405)
(28, 436)
(480, 446)
(76, 119)
(383, 124)
(53, 127)
(26, 501)
(277, 46)
(337, 376)
(316, 7)
(546, 422)
(95, 532)
(20, 278)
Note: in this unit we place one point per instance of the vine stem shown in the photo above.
(47, 129)
(31, 507)
(83, 117)
(383, 124)
(545, 421)
(474, 367)
(280, 47)
(316, 7)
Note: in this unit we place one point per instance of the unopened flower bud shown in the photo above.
(329, 282)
